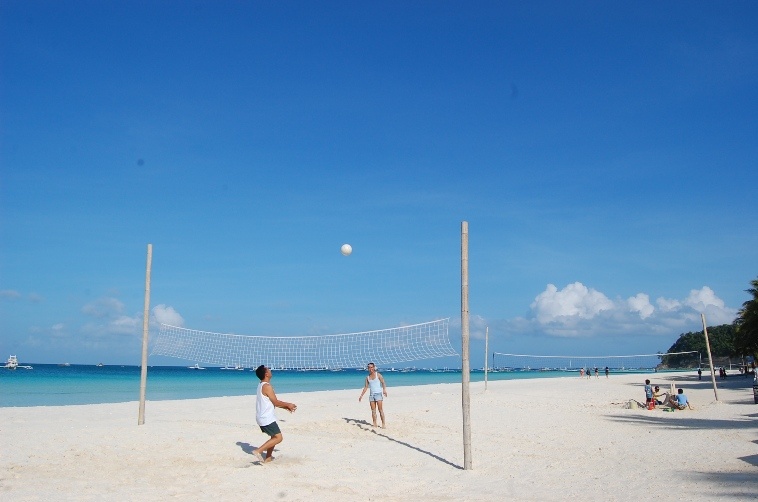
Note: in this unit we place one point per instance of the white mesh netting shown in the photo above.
(630, 363)
(394, 345)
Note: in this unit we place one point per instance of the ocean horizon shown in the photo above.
(77, 384)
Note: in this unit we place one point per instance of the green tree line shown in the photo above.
(720, 337)
(727, 340)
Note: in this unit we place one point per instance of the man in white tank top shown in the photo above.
(375, 382)
(265, 402)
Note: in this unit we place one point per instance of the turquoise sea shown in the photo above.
(54, 385)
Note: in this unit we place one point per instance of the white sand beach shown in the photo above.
(539, 439)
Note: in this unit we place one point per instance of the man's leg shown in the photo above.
(373, 411)
(381, 413)
(268, 447)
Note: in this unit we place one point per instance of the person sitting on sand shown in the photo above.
(680, 401)
(657, 396)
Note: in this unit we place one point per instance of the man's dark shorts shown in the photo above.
(271, 429)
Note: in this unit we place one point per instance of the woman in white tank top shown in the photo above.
(377, 388)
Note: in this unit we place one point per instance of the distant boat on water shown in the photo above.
(196, 367)
(100, 365)
(64, 364)
(236, 367)
(12, 364)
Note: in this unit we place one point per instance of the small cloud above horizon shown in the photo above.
(103, 308)
(165, 314)
(13, 295)
(10, 294)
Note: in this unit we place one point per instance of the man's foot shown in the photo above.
(258, 456)
(268, 459)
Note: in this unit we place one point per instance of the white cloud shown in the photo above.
(641, 303)
(167, 315)
(573, 301)
(477, 327)
(577, 311)
(125, 325)
(13, 295)
(667, 304)
(10, 294)
(705, 300)
(701, 298)
(103, 307)
(109, 321)
(35, 298)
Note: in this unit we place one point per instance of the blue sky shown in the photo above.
(603, 155)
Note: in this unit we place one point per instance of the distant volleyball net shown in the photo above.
(428, 340)
(639, 362)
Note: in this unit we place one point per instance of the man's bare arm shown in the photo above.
(268, 391)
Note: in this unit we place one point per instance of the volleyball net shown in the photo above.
(416, 342)
(638, 362)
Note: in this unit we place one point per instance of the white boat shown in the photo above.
(236, 367)
(12, 364)
(196, 367)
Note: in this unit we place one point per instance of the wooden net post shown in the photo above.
(145, 331)
(465, 370)
(486, 350)
(710, 359)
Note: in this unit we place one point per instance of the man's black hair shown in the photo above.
(260, 372)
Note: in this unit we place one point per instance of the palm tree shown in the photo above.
(746, 339)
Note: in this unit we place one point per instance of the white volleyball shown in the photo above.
(346, 249)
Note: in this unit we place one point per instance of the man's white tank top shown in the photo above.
(375, 385)
(264, 408)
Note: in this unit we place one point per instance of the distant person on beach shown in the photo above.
(680, 400)
(657, 394)
(581, 372)
(648, 392)
(596, 373)
(607, 370)
(699, 374)
(377, 388)
(265, 402)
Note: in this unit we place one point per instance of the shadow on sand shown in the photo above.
(746, 422)
(363, 425)
(663, 421)
(689, 381)
(246, 447)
